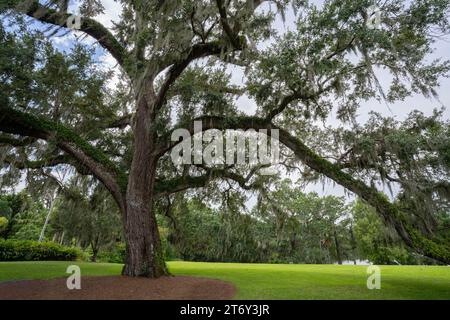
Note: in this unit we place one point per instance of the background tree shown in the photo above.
(309, 228)
(86, 214)
(24, 216)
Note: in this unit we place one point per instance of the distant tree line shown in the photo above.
(285, 226)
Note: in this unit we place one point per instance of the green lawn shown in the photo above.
(265, 281)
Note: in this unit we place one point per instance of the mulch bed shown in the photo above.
(120, 288)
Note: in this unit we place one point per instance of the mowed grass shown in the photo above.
(275, 281)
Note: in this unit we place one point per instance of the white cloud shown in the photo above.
(113, 10)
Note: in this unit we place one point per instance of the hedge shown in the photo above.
(25, 250)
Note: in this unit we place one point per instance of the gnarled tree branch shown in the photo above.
(37, 164)
(190, 182)
(197, 51)
(17, 122)
(35, 10)
(390, 212)
(16, 142)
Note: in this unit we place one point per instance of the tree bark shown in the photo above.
(144, 252)
(338, 247)
(94, 253)
(353, 242)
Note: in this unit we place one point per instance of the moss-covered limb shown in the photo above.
(14, 142)
(197, 51)
(23, 123)
(391, 214)
(229, 31)
(180, 184)
(119, 123)
(188, 182)
(17, 122)
(428, 247)
(91, 27)
(37, 164)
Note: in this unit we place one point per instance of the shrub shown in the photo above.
(3, 224)
(115, 254)
(25, 250)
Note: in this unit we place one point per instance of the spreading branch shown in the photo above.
(390, 212)
(89, 26)
(197, 51)
(233, 37)
(192, 182)
(120, 123)
(21, 123)
(16, 142)
(37, 164)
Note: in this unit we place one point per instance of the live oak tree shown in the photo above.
(176, 59)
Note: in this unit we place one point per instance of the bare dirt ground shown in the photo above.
(119, 288)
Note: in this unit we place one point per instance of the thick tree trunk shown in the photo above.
(144, 252)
